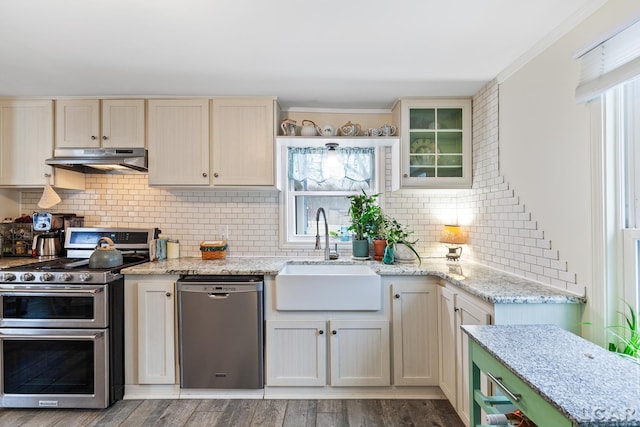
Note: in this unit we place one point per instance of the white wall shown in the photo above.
(544, 141)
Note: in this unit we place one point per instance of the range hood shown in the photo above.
(100, 160)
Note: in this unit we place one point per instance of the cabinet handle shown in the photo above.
(168, 294)
(334, 332)
(321, 332)
(456, 309)
(105, 137)
(215, 175)
(93, 137)
(204, 174)
(397, 296)
(498, 381)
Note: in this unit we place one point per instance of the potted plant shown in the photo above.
(627, 336)
(378, 231)
(396, 233)
(365, 213)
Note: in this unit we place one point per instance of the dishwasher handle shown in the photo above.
(220, 288)
(214, 295)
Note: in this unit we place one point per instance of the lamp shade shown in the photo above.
(453, 234)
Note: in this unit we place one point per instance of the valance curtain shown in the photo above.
(610, 63)
(306, 168)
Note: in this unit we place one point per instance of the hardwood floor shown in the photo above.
(241, 413)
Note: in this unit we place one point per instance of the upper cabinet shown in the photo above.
(179, 142)
(435, 142)
(26, 141)
(243, 149)
(94, 123)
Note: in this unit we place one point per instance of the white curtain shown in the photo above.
(610, 63)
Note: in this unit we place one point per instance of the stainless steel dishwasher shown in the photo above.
(221, 332)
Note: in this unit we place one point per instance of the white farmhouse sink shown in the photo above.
(328, 287)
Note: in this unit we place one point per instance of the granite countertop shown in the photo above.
(588, 384)
(8, 262)
(488, 284)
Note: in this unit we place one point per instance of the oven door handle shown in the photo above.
(48, 291)
(52, 337)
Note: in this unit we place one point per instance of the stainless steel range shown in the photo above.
(62, 324)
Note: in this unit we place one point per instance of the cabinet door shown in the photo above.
(77, 123)
(243, 142)
(447, 345)
(123, 123)
(436, 143)
(26, 141)
(179, 142)
(359, 353)
(468, 312)
(296, 353)
(415, 334)
(156, 332)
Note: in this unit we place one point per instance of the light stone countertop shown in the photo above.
(488, 284)
(588, 384)
(8, 262)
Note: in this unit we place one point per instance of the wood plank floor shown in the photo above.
(244, 413)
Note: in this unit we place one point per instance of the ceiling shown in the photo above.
(329, 54)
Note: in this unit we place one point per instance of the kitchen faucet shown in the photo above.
(328, 254)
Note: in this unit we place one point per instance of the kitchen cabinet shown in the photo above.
(435, 142)
(243, 147)
(456, 308)
(358, 352)
(156, 331)
(26, 141)
(415, 333)
(179, 142)
(94, 123)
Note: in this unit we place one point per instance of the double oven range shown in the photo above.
(62, 324)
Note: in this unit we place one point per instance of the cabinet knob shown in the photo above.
(397, 296)
(93, 137)
(215, 175)
(321, 332)
(406, 175)
(47, 175)
(168, 294)
(204, 174)
(104, 137)
(334, 332)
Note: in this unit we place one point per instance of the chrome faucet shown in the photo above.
(328, 254)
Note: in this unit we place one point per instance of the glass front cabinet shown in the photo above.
(435, 137)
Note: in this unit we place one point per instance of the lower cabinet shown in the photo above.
(415, 333)
(456, 308)
(150, 306)
(352, 352)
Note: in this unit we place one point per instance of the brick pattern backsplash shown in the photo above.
(502, 233)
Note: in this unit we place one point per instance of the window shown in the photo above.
(323, 177)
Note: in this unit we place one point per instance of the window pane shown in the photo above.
(306, 207)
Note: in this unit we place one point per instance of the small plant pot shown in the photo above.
(360, 248)
(378, 249)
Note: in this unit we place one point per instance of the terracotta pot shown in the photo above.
(378, 249)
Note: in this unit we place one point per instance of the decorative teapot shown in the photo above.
(327, 130)
(105, 256)
(309, 128)
(288, 127)
(350, 129)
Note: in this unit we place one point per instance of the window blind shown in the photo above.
(614, 61)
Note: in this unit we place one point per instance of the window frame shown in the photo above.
(385, 161)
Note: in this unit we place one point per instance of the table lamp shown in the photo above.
(453, 236)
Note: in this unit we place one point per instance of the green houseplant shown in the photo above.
(396, 233)
(627, 335)
(365, 217)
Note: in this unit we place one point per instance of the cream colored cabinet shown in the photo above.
(179, 142)
(94, 123)
(156, 331)
(296, 353)
(358, 353)
(26, 141)
(243, 146)
(457, 308)
(415, 333)
(436, 143)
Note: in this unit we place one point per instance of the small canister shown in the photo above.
(173, 249)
